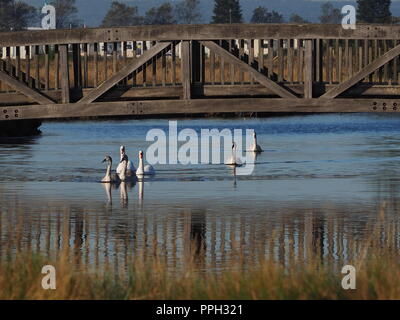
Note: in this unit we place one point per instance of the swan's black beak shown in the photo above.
(104, 160)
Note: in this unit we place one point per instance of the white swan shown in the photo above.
(255, 147)
(143, 170)
(110, 177)
(126, 175)
(130, 169)
(233, 160)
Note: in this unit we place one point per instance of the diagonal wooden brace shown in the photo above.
(376, 64)
(276, 88)
(125, 72)
(24, 89)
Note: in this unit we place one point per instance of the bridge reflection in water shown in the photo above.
(291, 236)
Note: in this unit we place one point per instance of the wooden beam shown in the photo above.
(370, 68)
(280, 91)
(64, 72)
(308, 70)
(125, 72)
(198, 32)
(196, 106)
(186, 70)
(24, 89)
(168, 92)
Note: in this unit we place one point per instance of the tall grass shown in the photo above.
(150, 277)
(376, 279)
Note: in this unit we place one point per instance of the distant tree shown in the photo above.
(66, 14)
(187, 11)
(16, 15)
(374, 11)
(227, 11)
(121, 14)
(295, 18)
(262, 15)
(163, 14)
(330, 14)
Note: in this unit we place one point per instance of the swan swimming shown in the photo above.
(126, 175)
(110, 177)
(130, 169)
(233, 160)
(143, 170)
(255, 147)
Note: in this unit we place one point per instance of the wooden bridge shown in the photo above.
(195, 69)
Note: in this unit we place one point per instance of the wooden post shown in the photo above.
(96, 64)
(64, 71)
(28, 78)
(47, 68)
(308, 70)
(186, 74)
(76, 56)
(195, 61)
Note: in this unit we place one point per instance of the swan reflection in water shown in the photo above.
(123, 187)
(123, 194)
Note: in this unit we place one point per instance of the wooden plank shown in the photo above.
(308, 70)
(85, 66)
(164, 68)
(64, 72)
(24, 89)
(37, 68)
(281, 61)
(28, 78)
(105, 54)
(363, 73)
(144, 67)
(301, 60)
(198, 32)
(231, 66)
(134, 73)
(76, 58)
(251, 57)
(173, 75)
(57, 68)
(270, 58)
(18, 72)
(222, 65)
(241, 57)
(197, 106)
(246, 90)
(115, 57)
(212, 67)
(185, 70)
(282, 92)
(261, 55)
(109, 83)
(47, 68)
(338, 60)
(329, 61)
(290, 59)
(96, 64)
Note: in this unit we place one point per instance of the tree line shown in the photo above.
(18, 15)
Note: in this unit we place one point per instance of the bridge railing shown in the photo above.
(187, 62)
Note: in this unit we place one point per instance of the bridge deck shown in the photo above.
(149, 70)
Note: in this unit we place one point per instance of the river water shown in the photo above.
(316, 190)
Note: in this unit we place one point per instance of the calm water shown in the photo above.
(319, 185)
